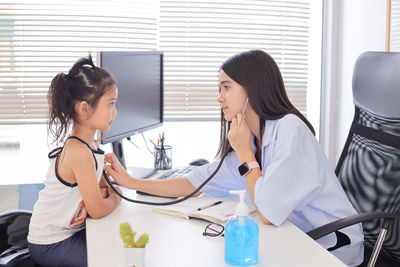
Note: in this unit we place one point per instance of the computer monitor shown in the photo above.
(140, 95)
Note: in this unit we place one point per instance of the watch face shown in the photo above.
(243, 169)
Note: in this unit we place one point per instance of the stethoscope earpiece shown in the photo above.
(245, 106)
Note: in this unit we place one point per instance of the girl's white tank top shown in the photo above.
(58, 203)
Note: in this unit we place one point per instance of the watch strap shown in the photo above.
(253, 164)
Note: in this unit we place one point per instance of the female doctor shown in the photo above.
(274, 155)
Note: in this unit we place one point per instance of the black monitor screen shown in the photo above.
(140, 92)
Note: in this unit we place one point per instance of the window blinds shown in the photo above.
(395, 26)
(42, 38)
(197, 36)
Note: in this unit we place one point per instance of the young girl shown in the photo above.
(74, 186)
(274, 155)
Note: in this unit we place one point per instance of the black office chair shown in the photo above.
(369, 166)
(14, 228)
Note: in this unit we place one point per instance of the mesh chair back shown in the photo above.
(369, 166)
(14, 228)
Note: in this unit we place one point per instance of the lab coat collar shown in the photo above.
(266, 140)
(268, 132)
(267, 137)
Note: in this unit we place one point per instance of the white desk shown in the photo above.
(178, 242)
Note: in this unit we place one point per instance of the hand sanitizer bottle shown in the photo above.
(241, 236)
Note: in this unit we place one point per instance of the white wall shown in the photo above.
(363, 28)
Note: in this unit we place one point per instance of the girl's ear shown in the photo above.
(82, 108)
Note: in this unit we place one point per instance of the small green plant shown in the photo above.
(128, 237)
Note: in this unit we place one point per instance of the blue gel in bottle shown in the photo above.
(241, 237)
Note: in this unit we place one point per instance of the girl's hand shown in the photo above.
(239, 136)
(110, 191)
(81, 216)
(104, 192)
(113, 168)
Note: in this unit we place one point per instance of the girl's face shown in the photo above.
(232, 96)
(105, 111)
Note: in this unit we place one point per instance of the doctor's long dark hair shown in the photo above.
(259, 74)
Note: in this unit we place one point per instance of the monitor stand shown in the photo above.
(140, 172)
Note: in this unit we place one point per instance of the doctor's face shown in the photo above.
(232, 96)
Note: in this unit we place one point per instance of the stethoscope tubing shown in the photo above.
(174, 201)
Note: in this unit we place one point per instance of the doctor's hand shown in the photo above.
(239, 137)
(113, 168)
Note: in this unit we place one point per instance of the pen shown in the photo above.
(210, 205)
(152, 143)
(162, 140)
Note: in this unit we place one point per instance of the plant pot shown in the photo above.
(134, 257)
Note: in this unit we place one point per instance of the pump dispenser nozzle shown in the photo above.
(241, 208)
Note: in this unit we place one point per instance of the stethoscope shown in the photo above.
(183, 198)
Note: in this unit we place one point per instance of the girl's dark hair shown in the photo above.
(84, 82)
(259, 74)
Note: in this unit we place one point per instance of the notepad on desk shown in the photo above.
(215, 210)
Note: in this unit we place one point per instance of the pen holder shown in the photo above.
(163, 157)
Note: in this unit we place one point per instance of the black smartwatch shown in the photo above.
(246, 167)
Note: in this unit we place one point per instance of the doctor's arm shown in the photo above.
(251, 179)
(176, 187)
(239, 138)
